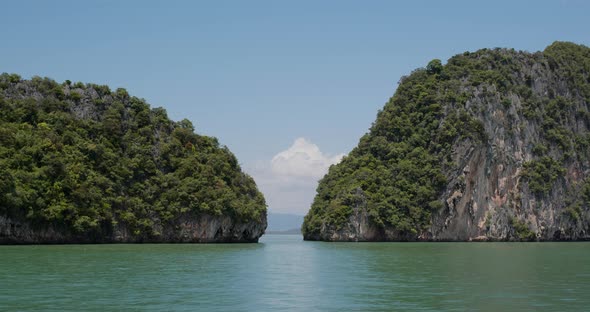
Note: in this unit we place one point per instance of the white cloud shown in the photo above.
(288, 181)
(303, 159)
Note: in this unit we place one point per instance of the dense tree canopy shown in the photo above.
(84, 157)
(399, 169)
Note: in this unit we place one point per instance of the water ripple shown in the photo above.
(283, 273)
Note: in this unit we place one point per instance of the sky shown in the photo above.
(289, 87)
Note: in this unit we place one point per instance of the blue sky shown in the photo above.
(261, 74)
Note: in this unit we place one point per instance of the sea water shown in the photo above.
(285, 273)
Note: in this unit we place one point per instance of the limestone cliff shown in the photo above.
(494, 145)
(187, 229)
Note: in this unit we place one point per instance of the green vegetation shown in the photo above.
(572, 62)
(88, 159)
(522, 231)
(396, 168)
(541, 174)
(399, 170)
(576, 209)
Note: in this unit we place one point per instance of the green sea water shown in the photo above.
(284, 273)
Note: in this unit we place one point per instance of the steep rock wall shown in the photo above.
(516, 169)
(187, 229)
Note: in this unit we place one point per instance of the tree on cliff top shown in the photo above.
(86, 159)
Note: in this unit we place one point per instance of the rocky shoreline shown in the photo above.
(188, 229)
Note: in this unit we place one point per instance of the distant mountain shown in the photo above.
(287, 232)
(283, 221)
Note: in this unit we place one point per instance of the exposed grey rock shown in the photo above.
(188, 229)
(486, 192)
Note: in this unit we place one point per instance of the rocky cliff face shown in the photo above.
(189, 229)
(525, 175)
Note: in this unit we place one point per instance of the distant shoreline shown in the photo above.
(286, 232)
